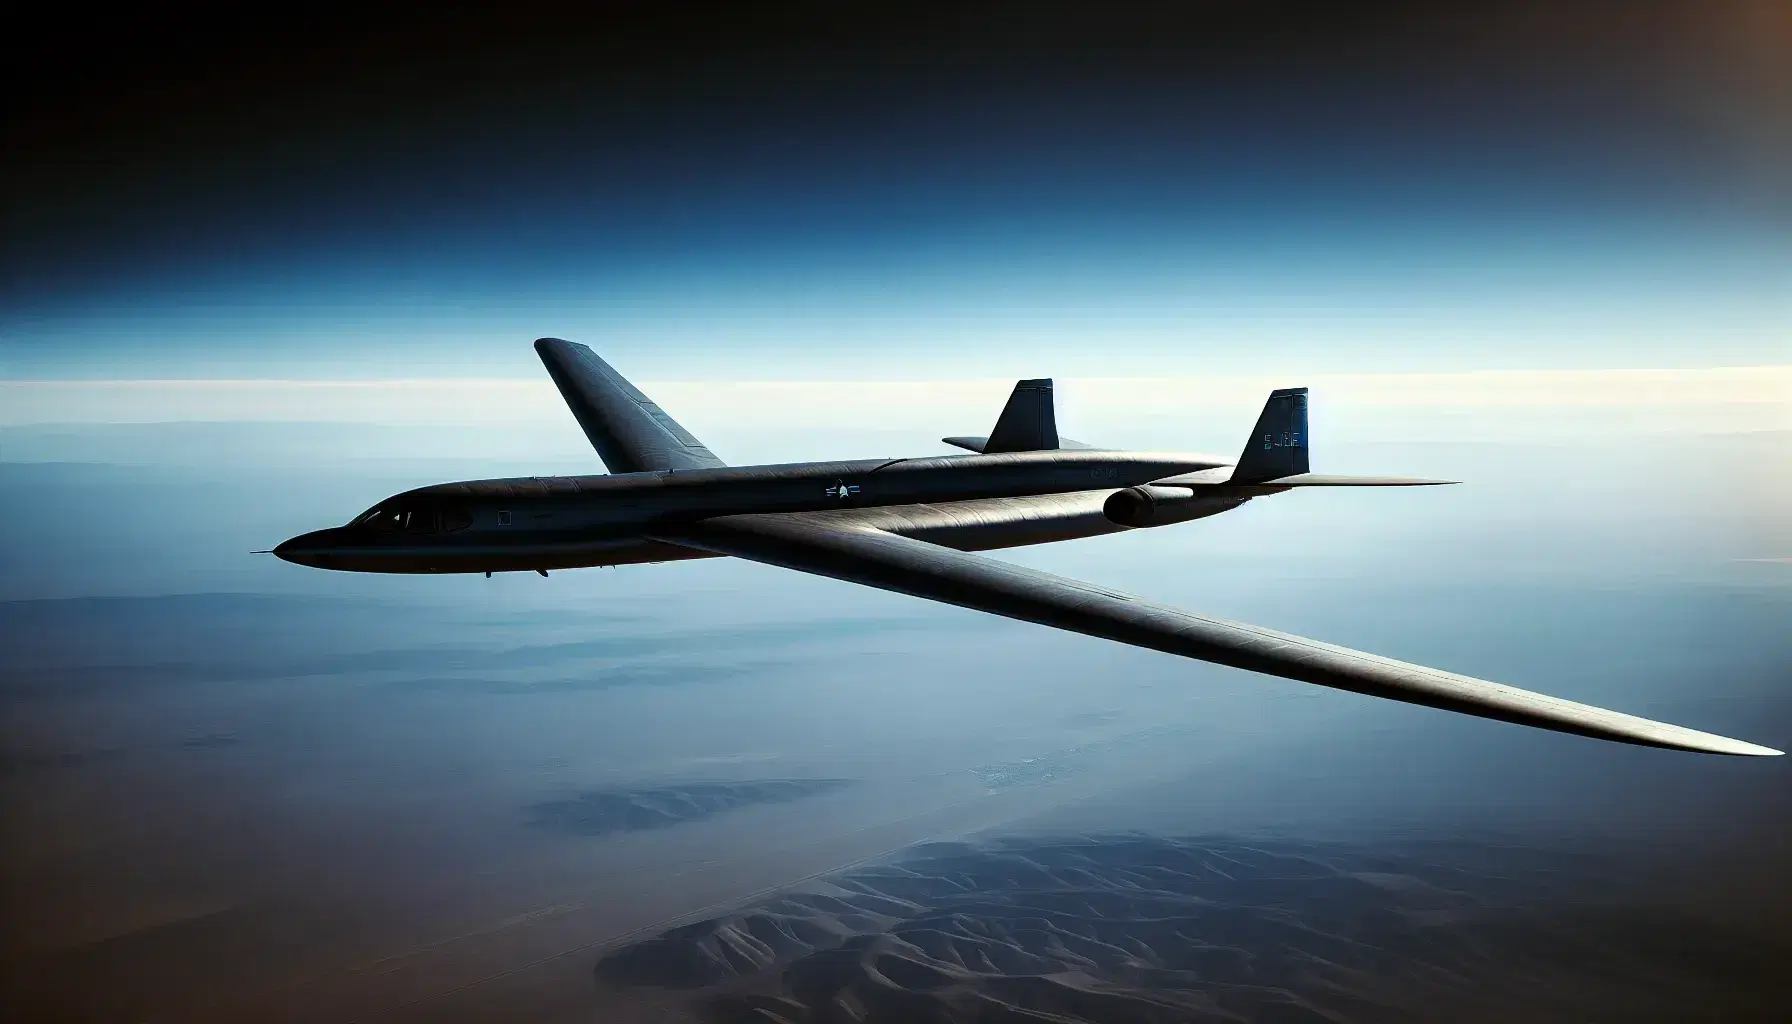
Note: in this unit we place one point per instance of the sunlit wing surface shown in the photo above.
(812, 543)
(630, 432)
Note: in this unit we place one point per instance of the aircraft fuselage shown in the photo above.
(527, 523)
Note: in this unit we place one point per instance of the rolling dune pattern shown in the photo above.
(1132, 929)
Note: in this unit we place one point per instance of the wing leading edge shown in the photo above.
(809, 543)
(630, 432)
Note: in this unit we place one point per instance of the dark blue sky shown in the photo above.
(1381, 186)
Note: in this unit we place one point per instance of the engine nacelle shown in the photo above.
(1159, 505)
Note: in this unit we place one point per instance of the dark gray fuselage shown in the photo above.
(970, 502)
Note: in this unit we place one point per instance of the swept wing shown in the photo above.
(629, 431)
(813, 543)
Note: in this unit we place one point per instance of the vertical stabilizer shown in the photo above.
(1278, 447)
(1028, 422)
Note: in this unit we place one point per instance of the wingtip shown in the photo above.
(1742, 749)
(1710, 743)
(1615, 725)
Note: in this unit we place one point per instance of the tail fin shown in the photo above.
(1278, 447)
(1028, 423)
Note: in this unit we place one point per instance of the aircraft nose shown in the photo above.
(306, 548)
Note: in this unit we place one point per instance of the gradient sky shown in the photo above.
(1224, 188)
(262, 271)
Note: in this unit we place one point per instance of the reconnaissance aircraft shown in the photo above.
(908, 525)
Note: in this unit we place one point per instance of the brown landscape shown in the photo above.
(718, 793)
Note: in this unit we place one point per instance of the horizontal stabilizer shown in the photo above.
(978, 444)
(1227, 477)
(974, 444)
(1340, 480)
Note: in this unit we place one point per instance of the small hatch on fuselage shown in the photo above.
(503, 517)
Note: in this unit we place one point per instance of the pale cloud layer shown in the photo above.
(1649, 401)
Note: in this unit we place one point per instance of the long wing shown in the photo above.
(629, 431)
(810, 543)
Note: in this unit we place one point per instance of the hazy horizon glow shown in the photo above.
(1491, 404)
(253, 288)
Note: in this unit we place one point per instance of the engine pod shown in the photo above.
(1161, 505)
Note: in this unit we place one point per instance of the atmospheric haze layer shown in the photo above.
(260, 276)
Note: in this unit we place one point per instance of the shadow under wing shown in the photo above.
(811, 543)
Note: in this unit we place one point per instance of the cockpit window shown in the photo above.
(379, 519)
(419, 520)
(413, 519)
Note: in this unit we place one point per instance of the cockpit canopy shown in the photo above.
(412, 517)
